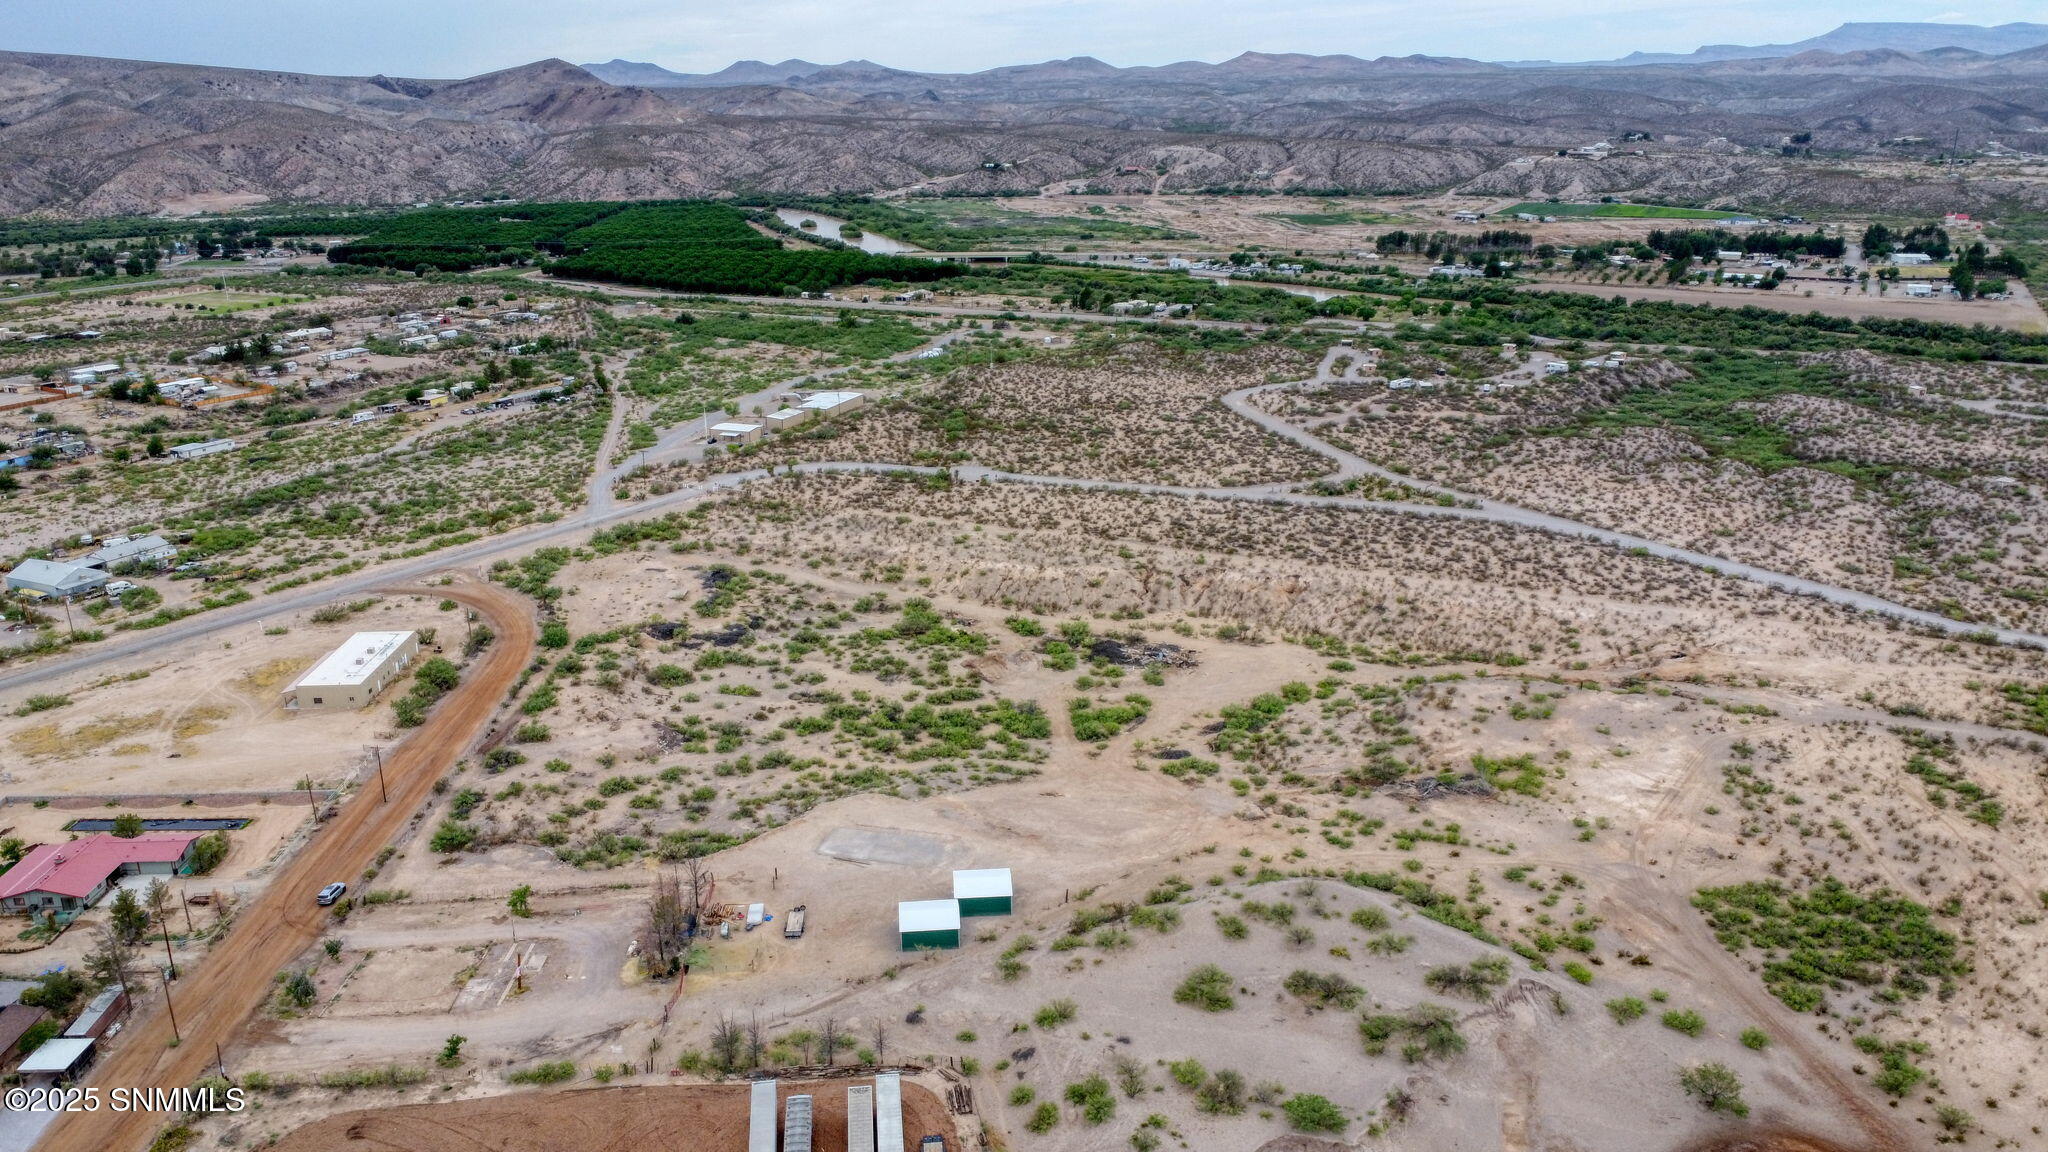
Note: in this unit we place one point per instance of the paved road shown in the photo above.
(216, 995)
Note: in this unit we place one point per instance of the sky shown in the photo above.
(448, 38)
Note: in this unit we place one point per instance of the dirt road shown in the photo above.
(217, 995)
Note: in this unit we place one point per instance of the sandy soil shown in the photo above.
(700, 1117)
(283, 921)
(2019, 311)
(205, 718)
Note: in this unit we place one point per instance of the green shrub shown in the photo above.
(1311, 1113)
(1626, 1009)
(550, 1072)
(1056, 1013)
(1208, 988)
(1044, 1119)
(1688, 1021)
(1093, 1097)
(1716, 1086)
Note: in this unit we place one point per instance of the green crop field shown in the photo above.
(221, 303)
(1634, 211)
(1332, 218)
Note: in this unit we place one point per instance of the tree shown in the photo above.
(1716, 1086)
(517, 902)
(111, 960)
(881, 1042)
(155, 446)
(127, 826)
(208, 851)
(728, 1042)
(1963, 280)
(666, 927)
(130, 919)
(451, 1051)
(158, 900)
(300, 989)
(830, 1040)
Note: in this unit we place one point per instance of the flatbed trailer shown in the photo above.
(793, 927)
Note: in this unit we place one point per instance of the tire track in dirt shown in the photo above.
(219, 994)
(1659, 913)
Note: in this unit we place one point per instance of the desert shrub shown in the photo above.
(1323, 989)
(1626, 1009)
(1056, 1013)
(1687, 1021)
(1093, 1097)
(1207, 988)
(1476, 980)
(548, 1072)
(1715, 1086)
(1312, 1113)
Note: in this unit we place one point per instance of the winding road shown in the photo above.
(675, 446)
(219, 995)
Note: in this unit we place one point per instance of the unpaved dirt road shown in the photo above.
(218, 994)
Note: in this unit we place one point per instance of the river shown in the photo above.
(829, 228)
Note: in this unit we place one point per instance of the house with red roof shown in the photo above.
(70, 877)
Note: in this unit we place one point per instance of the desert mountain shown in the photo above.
(88, 135)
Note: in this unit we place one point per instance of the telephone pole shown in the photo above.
(378, 752)
(172, 1009)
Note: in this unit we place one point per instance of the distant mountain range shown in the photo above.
(84, 135)
(1849, 38)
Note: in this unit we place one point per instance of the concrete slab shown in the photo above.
(897, 846)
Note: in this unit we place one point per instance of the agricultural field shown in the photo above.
(222, 303)
(946, 224)
(1618, 211)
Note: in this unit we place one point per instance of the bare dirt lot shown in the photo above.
(699, 1117)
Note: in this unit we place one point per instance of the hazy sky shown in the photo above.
(441, 38)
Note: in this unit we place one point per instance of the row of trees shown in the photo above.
(1702, 243)
(745, 270)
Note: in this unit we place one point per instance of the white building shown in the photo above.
(353, 674)
(1911, 259)
(342, 354)
(202, 448)
(735, 432)
(829, 404)
(787, 419)
(129, 550)
(59, 578)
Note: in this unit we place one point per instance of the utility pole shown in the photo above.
(165, 925)
(312, 802)
(378, 752)
(220, 1059)
(170, 1008)
(186, 901)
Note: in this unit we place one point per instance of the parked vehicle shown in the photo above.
(120, 588)
(793, 928)
(331, 893)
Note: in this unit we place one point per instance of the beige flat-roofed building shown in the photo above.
(353, 674)
(787, 419)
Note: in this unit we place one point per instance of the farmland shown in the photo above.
(1621, 211)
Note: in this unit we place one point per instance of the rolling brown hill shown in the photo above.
(81, 135)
